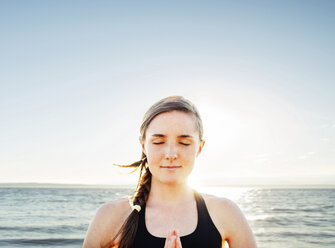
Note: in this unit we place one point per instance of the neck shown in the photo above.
(169, 194)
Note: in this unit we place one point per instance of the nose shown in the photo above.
(171, 152)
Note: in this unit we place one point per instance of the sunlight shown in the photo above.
(231, 193)
(222, 127)
(194, 181)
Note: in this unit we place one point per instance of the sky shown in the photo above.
(76, 78)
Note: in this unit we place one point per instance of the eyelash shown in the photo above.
(159, 143)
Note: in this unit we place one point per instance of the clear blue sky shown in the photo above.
(77, 76)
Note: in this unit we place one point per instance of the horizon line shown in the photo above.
(83, 185)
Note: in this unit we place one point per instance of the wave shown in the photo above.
(50, 242)
(45, 229)
(310, 235)
(306, 209)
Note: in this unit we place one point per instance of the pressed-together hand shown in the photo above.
(173, 240)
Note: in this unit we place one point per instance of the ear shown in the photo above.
(142, 144)
(202, 143)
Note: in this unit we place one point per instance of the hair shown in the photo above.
(128, 230)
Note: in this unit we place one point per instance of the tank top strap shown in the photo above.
(143, 238)
(203, 215)
(206, 224)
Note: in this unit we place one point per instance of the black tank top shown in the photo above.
(205, 234)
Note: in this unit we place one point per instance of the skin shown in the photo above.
(172, 144)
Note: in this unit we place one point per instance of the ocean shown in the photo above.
(59, 217)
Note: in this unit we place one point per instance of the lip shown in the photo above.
(171, 167)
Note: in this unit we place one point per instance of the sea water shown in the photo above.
(59, 217)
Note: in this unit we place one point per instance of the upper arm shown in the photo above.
(237, 230)
(105, 224)
(230, 222)
(97, 229)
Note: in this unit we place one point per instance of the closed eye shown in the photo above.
(158, 143)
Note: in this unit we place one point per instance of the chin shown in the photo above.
(173, 181)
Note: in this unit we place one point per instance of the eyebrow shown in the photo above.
(180, 136)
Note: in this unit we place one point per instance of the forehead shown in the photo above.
(173, 121)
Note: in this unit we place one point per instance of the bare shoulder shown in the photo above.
(107, 222)
(222, 211)
(114, 210)
(230, 221)
(218, 201)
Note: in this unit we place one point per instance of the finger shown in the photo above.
(172, 242)
(167, 245)
(178, 243)
(169, 242)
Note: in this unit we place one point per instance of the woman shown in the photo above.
(165, 211)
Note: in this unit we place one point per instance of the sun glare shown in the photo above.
(194, 182)
(231, 193)
(222, 127)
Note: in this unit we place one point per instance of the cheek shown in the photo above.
(192, 151)
(188, 155)
(154, 152)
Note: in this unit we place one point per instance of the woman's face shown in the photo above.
(171, 146)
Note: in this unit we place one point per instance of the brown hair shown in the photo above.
(179, 103)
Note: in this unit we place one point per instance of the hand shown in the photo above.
(173, 240)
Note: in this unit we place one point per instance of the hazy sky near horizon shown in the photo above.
(77, 76)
